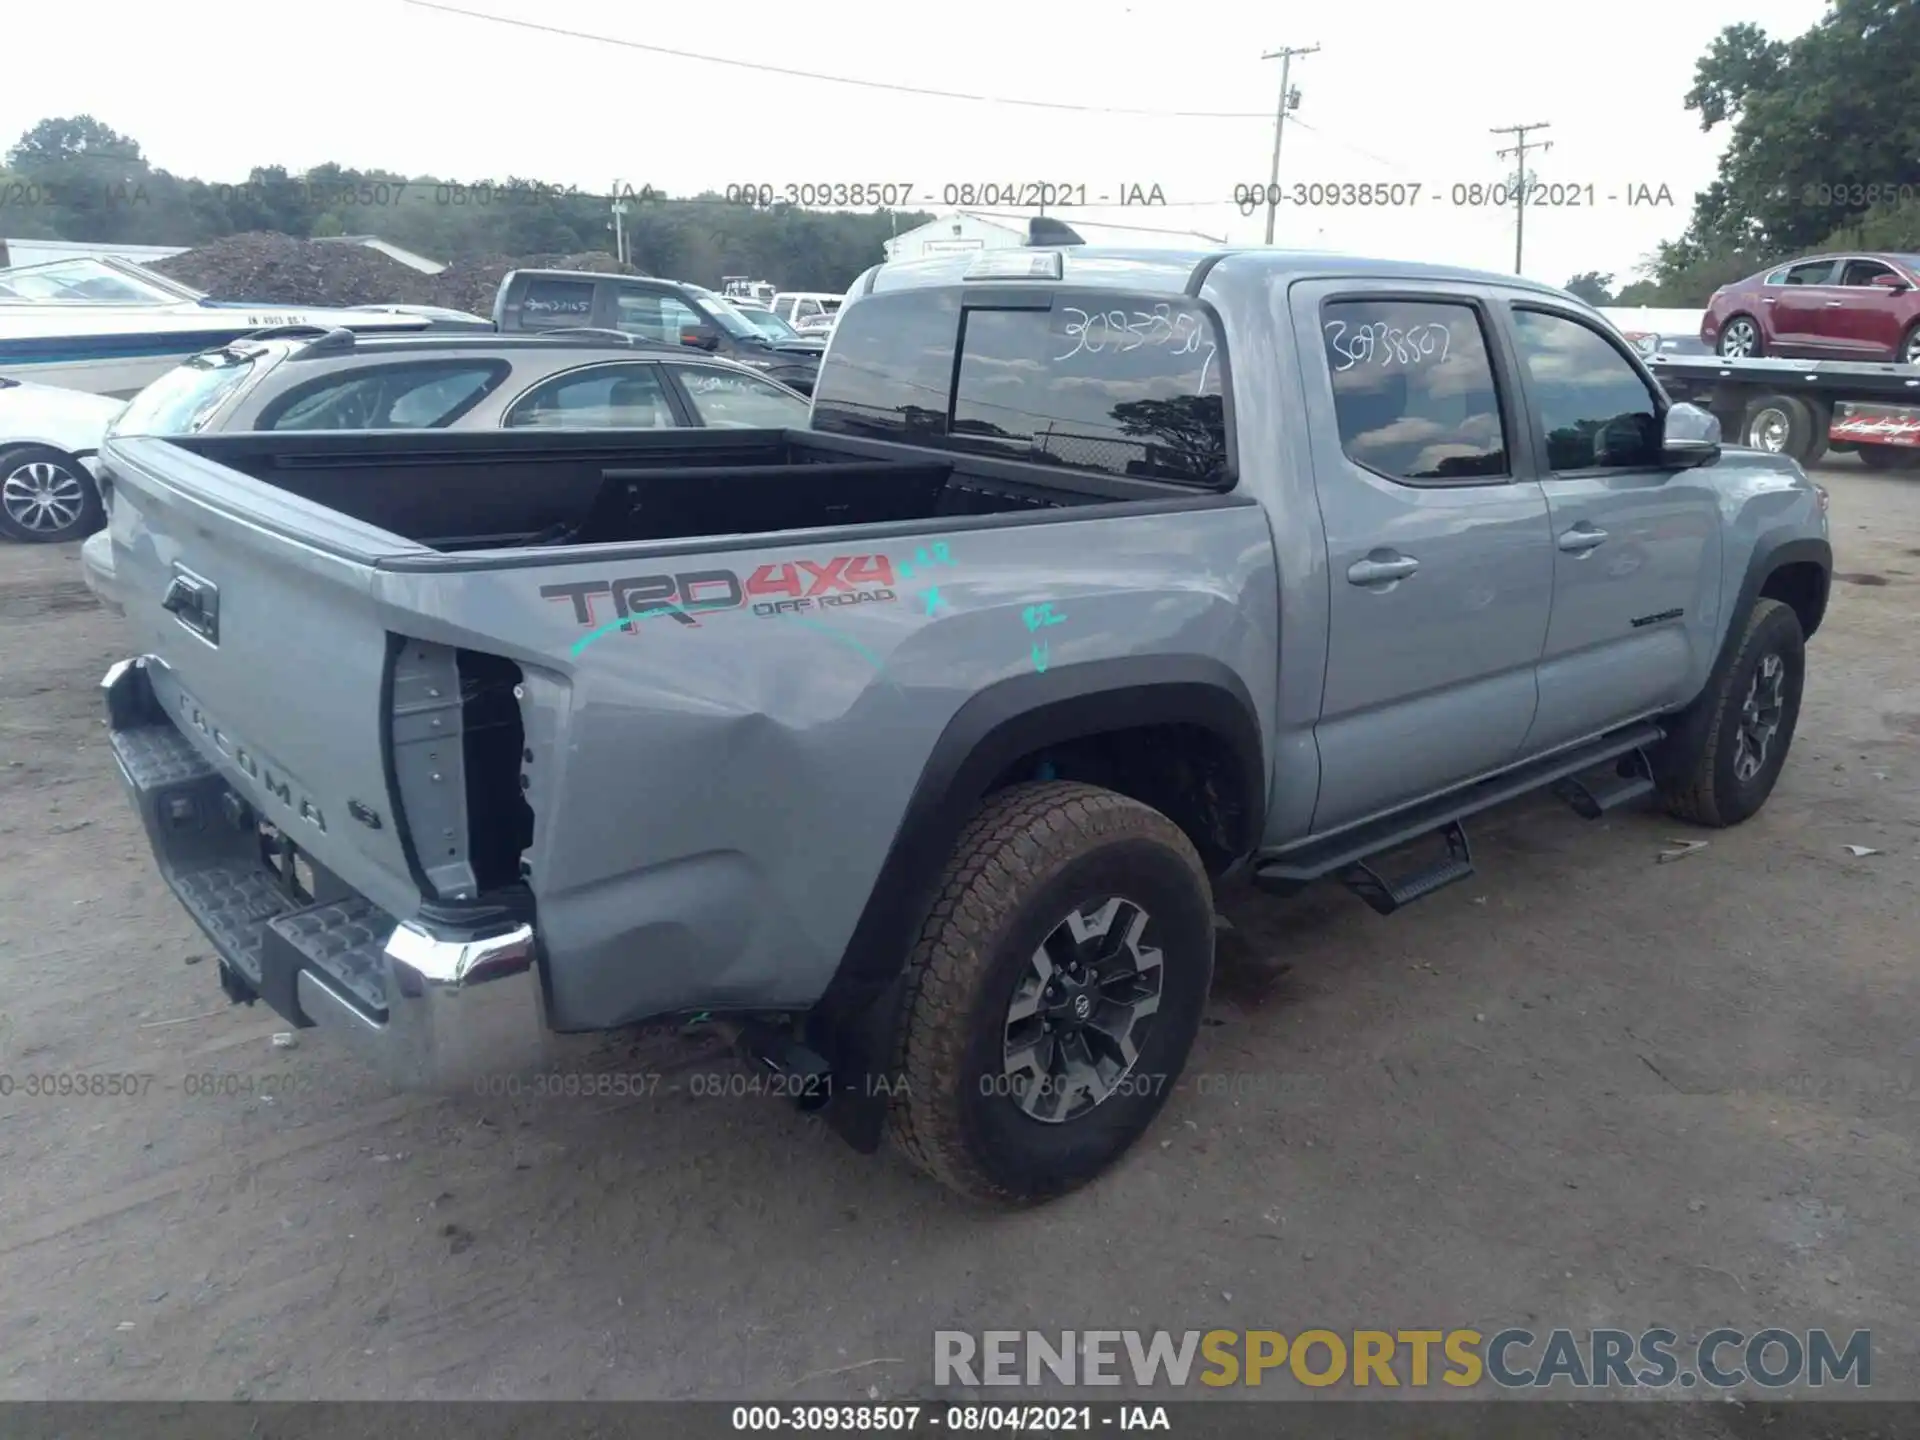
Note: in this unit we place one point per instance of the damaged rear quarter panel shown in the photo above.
(713, 800)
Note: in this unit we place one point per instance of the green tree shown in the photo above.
(1592, 287)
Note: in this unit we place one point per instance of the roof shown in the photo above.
(1171, 271)
(387, 248)
(595, 346)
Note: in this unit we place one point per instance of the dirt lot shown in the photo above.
(1584, 1089)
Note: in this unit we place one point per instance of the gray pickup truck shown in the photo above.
(907, 745)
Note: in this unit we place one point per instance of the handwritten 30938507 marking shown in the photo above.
(1388, 344)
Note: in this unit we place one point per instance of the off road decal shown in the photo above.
(792, 588)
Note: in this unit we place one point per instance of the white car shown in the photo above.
(48, 439)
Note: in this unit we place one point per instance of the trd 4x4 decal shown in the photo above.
(794, 588)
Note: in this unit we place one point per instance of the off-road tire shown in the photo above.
(1031, 856)
(1698, 782)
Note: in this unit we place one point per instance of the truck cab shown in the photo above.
(664, 312)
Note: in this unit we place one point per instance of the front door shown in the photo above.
(1869, 319)
(1797, 309)
(1441, 570)
(1636, 548)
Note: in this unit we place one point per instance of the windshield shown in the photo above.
(83, 282)
(771, 325)
(734, 322)
(184, 399)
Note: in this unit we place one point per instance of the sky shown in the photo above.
(1398, 94)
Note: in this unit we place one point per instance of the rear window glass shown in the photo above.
(181, 401)
(1413, 389)
(549, 303)
(1120, 385)
(391, 397)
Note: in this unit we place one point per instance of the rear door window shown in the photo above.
(599, 397)
(1413, 389)
(729, 400)
(1116, 384)
(386, 397)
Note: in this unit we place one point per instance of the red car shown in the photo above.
(1826, 307)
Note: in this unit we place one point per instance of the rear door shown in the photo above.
(1636, 553)
(1441, 569)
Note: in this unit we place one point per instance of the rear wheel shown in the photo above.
(46, 496)
(1909, 351)
(1724, 753)
(1740, 339)
(1784, 425)
(1054, 994)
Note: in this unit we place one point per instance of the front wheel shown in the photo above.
(1909, 351)
(46, 496)
(1723, 756)
(1054, 994)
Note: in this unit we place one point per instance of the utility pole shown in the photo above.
(1519, 153)
(1289, 100)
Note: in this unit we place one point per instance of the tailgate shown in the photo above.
(267, 651)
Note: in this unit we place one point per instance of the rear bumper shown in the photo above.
(96, 568)
(428, 1005)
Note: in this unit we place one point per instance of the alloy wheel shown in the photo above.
(1081, 1010)
(43, 497)
(1760, 718)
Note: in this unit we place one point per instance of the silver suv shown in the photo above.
(337, 380)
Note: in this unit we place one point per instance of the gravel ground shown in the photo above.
(1584, 1089)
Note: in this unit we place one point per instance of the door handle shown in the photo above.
(195, 603)
(1382, 571)
(1833, 304)
(1582, 538)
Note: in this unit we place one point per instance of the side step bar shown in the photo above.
(1343, 856)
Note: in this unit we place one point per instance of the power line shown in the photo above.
(832, 79)
(1289, 100)
(1519, 152)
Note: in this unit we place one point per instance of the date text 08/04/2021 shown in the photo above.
(921, 1419)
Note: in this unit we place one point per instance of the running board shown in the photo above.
(1592, 797)
(1287, 870)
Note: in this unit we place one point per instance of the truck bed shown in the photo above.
(461, 492)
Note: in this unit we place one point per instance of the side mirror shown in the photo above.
(1689, 436)
(1892, 283)
(700, 337)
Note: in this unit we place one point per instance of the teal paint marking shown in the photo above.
(923, 559)
(1039, 653)
(934, 602)
(624, 622)
(831, 633)
(1036, 616)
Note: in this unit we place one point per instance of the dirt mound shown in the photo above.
(280, 270)
(470, 285)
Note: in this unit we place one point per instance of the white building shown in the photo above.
(955, 233)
